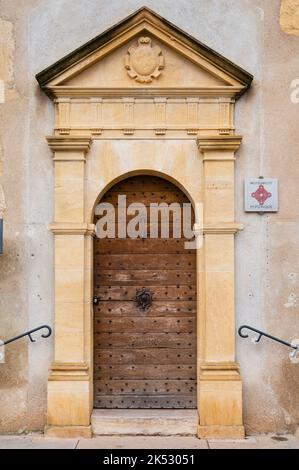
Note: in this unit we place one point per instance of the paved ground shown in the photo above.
(37, 441)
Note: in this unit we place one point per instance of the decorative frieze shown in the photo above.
(209, 145)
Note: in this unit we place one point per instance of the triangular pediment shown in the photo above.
(142, 52)
(175, 70)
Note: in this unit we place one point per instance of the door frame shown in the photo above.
(70, 385)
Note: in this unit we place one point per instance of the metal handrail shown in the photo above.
(28, 333)
(262, 333)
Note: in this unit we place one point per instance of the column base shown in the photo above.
(69, 393)
(68, 432)
(221, 432)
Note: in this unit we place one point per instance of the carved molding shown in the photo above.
(96, 115)
(192, 115)
(144, 62)
(148, 111)
(179, 92)
(147, 116)
(69, 371)
(65, 228)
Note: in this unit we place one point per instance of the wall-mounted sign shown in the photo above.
(261, 195)
(1, 236)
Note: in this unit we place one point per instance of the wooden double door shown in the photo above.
(145, 355)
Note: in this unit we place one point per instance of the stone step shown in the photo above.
(144, 422)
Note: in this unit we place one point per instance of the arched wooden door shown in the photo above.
(145, 358)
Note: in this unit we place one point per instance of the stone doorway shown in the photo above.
(115, 118)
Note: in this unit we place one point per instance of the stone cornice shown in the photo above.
(218, 143)
(68, 228)
(60, 91)
(69, 371)
(219, 366)
(75, 143)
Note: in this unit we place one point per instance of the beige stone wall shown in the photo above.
(34, 34)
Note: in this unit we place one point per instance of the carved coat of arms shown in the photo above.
(144, 62)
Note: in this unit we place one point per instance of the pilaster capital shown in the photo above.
(69, 144)
(2, 202)
(219, 143)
